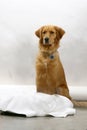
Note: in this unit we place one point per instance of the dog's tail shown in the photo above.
(80, 103)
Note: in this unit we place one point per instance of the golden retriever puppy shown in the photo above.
(50, 77)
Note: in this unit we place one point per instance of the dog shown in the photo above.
(50, 76)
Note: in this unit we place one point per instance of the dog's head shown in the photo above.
(49, 37)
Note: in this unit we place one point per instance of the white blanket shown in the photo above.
(25, 100)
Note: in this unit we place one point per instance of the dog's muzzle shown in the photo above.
(46, 41)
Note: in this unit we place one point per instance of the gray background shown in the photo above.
(18, 44)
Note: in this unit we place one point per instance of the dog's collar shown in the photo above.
(49, 55)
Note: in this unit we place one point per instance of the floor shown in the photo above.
(15, 122)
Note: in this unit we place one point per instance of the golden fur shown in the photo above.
(50, 76)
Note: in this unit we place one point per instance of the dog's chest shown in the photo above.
(49, 66)
(48, 61)
(45, 63)
(49, 73)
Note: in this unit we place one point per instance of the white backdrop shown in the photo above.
(18, 44)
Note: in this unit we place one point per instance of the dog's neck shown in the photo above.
(50, 55)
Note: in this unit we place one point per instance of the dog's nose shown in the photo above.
(46, 40)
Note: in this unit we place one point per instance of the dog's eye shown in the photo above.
(44, 32)
(51, 32)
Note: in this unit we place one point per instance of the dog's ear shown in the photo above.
(60, 32)
(38, 32)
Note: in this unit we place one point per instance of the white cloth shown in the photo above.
(25, 100)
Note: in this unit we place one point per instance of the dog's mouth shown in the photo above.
(47, 45)
(46, 42)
